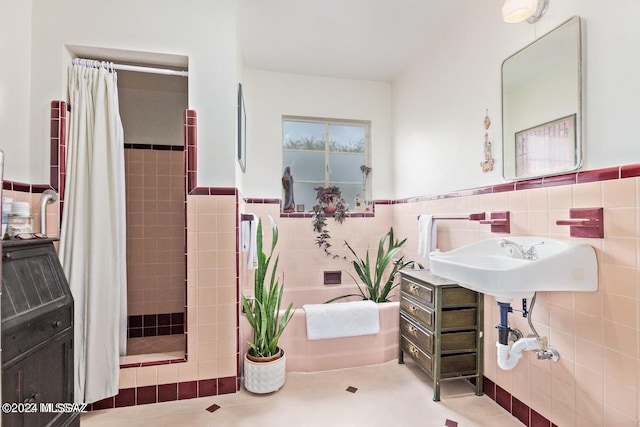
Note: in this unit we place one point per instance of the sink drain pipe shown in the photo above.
(508, 357)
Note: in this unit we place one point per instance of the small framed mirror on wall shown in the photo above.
(542, 105)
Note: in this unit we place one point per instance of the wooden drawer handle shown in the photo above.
(56, 324)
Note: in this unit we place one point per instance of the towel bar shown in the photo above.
(584, 222)
(471, 217)
(500, 222)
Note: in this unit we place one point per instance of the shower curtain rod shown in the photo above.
(106, 64)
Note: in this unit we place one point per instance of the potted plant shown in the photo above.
(376, 285)
(330, 201)
(264, 362)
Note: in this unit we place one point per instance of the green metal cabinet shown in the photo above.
(441, 328)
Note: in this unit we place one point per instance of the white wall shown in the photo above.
(203, 30)
(269, 96)
(439, 102)
(15, 45)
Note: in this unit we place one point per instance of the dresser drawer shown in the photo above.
(18, 341)
(417, 311)
(450, 319)
(421, 292)
(450, 342)
(455, 296)
(424, 360)
(454, 365)
(458, 319)
(419, 336)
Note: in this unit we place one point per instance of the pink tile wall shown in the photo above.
(596, 381)
(155, 231)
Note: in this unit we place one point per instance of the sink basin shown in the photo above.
(492, 269)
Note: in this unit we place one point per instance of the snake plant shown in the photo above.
(264, 312)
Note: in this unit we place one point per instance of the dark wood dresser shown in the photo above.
(37, 336)
(441, 327)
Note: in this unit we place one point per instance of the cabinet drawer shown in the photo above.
(421, 337)
(457, 364)
(458, 319)
(450, 319)
(450, 342)
(455, 296)
(419, 312)
(18, 341)
(424, 360)
(421, 292)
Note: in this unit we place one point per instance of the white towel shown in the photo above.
(342, 319)
(248, 239)
(427, 235)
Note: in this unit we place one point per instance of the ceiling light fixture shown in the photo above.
(515, 11)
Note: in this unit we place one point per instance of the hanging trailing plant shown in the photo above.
(330, 202)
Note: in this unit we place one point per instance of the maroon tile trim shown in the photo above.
(501, 188)
(227, 385)
(529, 184)
(155, 147)
(156, 363)
(106, 403)
(489, 388)
(126, 397)
(520, 411)
(38, 189)
(503, 398)
(262, 201)
(167, 392)
(630, 171)
(552, 181)
(599, 175)
(212, 191)
(515, 407)
(538, 420)
(187, 390)
(207, 388)
(383, 202)
(147, 394)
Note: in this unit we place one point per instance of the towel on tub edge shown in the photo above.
(343, 319)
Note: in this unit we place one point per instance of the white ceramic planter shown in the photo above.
(264, 377)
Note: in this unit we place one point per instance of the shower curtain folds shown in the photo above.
(93, 232)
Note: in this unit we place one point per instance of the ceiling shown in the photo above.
(355, 39)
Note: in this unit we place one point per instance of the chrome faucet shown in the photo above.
(529, 254)
(513, 246)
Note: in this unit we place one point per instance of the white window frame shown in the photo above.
(366, 124)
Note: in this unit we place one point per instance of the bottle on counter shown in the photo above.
(20, 219)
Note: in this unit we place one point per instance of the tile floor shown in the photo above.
(157, 344)
(386, 395)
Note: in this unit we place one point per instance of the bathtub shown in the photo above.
(305, 355)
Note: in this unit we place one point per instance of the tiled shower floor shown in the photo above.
(151, 349)
(385, 395)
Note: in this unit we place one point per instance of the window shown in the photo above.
(323, 152)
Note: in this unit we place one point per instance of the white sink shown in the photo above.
(500, 270)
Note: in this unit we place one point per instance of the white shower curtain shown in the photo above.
(93, 234)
